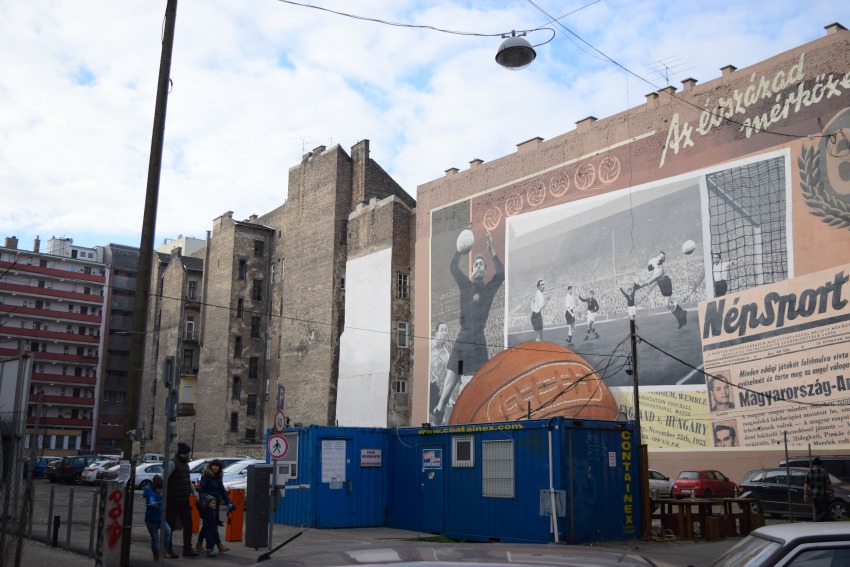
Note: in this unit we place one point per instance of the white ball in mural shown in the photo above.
(465, 240)
(688, 246)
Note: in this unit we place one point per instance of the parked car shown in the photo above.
(659, 484)
(239, 469)
(90, 473)
(837, 465)
(39, 466)
(771, 488)
(145, 473)
(703, 484)
(196, 467)
(815, 544)
(70, 469)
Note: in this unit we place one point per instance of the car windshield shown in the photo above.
(233, 467)
(749, 551)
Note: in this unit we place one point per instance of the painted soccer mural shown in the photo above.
(732, 262)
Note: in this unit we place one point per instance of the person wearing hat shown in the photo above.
(178, 512)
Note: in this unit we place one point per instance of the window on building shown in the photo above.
(251, 407)
(237, 347)
(343, 236)
(119, 397)
(257, 290)
(243, 269)
(463, 451)
(259, 248)
(192, 292)
(253, 367)
(255, 327)
(87, 290)
(497, 469)
(402, 286)
(236, 388)
(400, 386)
(190, 327)
(188, 359)
(403, 334)
(42, 263)
(41, 283)
(234, 422)
(240, 308)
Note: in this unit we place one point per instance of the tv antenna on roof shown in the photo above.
(669, 67)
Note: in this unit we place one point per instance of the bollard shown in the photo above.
(196, 515)
(233, 528)
(50, 511)
(93, 522)
(54, 541)
(70, 518)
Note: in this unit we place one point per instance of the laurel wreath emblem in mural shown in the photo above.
(823, 202)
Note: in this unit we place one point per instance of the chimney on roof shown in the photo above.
(528, 145)
(670, 90)
(473, 165)
(36, 246)
(12, 242)
(689, 83)
(253, 218)
(451, 171)
(584, 124)
(728, 70)
(834, 27)
(651, 100)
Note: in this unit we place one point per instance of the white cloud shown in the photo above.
(257, 83)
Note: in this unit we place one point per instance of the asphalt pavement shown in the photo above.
(664, 554)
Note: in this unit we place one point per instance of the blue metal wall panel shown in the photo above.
(358, 501)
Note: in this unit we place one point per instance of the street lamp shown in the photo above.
(515, 53)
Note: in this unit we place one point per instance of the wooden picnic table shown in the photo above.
(715, 517)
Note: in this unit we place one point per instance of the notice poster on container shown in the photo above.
(777, 359)
(333, 461)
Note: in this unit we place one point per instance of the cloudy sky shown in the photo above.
(256, 83)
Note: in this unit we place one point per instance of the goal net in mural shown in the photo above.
(747, 212)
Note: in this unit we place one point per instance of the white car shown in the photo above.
(90, 473)
(239, 470)
(196, 467)
(145, 473)
(660, 486)
(808, 543)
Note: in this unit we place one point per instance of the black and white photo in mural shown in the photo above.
(464, 292)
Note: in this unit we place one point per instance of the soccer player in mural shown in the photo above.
(725, 436)
(570, 314)
(439, 360)
(720, 393)
(658, 276)
(630, 300)
(720, 273)
(537, 305)
(470, 348)
(592, 309)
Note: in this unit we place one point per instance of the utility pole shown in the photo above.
(144, 269)
(642, 465)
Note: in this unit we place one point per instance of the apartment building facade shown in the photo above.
(52, 305)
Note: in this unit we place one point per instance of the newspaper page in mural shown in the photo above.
(777, 359)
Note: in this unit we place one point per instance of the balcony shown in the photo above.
(38, 334)
(185, 410)
(61, 421)
(54, 294)
(76, 359)
(52, 314)
(63, 401)
(63, 379)
(60, 274)
(189, 372)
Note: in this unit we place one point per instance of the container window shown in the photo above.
(463, 452)
(497, 469)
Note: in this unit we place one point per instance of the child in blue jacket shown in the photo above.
(153, 516)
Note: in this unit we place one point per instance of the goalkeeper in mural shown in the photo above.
(470, 347)
(658, 276)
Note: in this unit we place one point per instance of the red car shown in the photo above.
(703, 484)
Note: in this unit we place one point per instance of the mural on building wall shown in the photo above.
(577, 272)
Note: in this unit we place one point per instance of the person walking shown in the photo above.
(212, 485)
(178, 512)
(153, 517)
(208, 508)
(819, 488)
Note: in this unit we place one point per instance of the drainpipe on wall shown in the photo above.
(554, 509)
